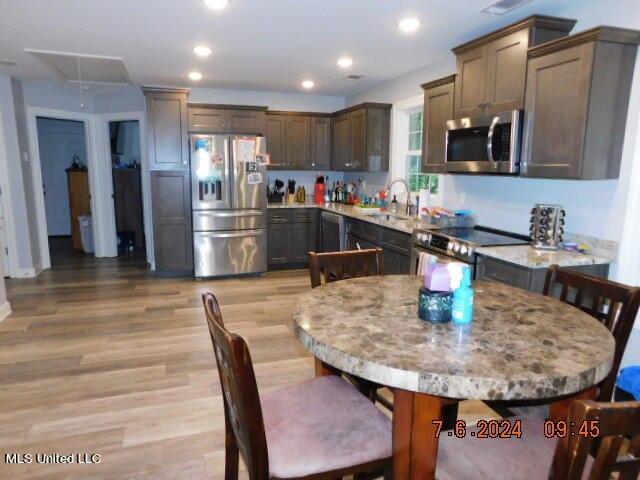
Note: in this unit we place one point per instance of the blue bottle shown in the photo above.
(462, 308)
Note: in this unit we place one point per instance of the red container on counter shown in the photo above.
(319, 193)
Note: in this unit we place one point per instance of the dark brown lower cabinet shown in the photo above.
(396, 246)
(173, 238)
(292, 234)
(526, 278)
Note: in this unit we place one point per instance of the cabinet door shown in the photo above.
(279, 243)
(438, 108)
(274, 132)
(302, 241)
(358, 140)
(376, 155)
(321, 143)
(470, 89)
(167, 130)
(246, 121)
(556, 110)
(173, 238)
(506, 72)
(341, 152)
(297, 146)
(395, 263)
(207, 120)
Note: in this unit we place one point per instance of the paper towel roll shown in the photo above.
(424, 200)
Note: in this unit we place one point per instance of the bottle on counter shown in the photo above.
(462, 308)
(394, 204)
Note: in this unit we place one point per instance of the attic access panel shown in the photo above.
(75, 67)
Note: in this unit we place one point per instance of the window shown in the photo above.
(413, 156)
(406, 154)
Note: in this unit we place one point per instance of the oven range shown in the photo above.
(459, 243)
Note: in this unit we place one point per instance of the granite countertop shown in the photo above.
(527, 256)
(400, 222)
(520, 345)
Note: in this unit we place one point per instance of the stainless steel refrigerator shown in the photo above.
(228, 191)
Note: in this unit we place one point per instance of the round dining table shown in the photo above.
(519, 346)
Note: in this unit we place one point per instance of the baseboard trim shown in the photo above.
(25, 272)
(5, 310)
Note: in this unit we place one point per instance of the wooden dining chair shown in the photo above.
(542, 452)
(332, 266)
(329, 267)
(613, 304)
(321, 429)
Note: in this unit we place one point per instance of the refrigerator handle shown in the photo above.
(228, 165)
(185, 161)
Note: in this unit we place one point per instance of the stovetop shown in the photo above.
(461, 243)
(483, 238)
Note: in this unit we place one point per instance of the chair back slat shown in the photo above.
(615, 305)
(617, 443)
(332, 266)
(243, 413)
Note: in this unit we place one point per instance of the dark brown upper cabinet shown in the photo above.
(341, 142)
(361, 138)
(491, 70)
(321, 142)
(167, 141)
(438, 108)
(299, 140)
(240, 119)
(576, 104)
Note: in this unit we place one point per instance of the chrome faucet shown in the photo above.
(406, 186)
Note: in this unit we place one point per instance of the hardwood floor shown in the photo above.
(101, 357)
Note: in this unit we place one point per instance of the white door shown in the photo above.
(58, 142)
(4, 254)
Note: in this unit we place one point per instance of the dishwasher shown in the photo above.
(332, 231)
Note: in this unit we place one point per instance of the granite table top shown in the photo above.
(520, 345)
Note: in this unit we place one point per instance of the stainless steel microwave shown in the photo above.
(488, 144)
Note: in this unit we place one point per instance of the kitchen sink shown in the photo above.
(388, 216)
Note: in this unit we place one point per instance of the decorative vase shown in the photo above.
(434, 307)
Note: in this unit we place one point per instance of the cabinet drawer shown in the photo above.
(365, 230)
(398, 241)
(279, 215)
(490, 269)
(304, 215)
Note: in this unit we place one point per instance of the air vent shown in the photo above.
(503, 6)
(78, 67)
(353, 77)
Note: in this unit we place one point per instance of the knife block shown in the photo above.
(547, 226)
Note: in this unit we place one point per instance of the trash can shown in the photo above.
(86, 233)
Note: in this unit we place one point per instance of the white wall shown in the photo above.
(11, 152)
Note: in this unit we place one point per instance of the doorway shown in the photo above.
(124, 141)
(62, 147)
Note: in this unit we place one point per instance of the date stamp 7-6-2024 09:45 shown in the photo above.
(507, 428)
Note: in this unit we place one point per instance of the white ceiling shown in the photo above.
(258, 44)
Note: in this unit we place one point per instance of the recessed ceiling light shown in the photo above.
(195, 75)
(345, 62)
(409, 25)
(202, 51)
(308, 84)
(216, 4)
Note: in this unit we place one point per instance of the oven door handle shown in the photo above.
(492, 128)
